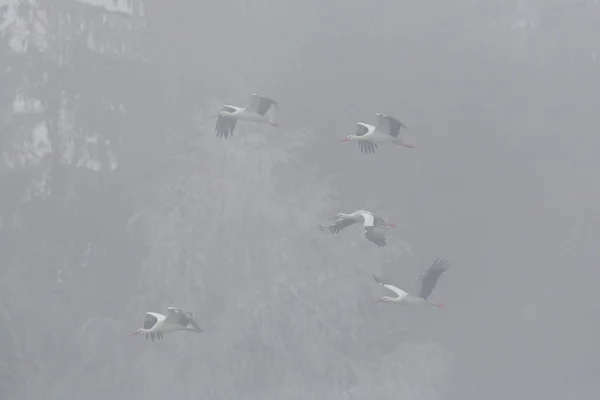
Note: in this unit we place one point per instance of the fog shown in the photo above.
(117, 198)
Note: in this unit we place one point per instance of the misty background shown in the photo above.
(116, 198)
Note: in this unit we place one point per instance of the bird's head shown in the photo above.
(136, 332)
(348, 138)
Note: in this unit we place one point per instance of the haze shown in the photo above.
(116, 198)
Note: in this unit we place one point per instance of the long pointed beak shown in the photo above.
(378, 301)
(391, 224)
(133, 334)
(344, 140)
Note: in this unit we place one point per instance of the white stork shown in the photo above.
(387, 130)
(371, 222)
(428, 278)
(155, 324)
(254, 112)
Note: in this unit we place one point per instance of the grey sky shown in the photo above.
(501, 99)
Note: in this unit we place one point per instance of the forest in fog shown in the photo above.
(117, 198)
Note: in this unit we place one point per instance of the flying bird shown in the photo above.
(155, 324)
(430, 276)
(254, 112)
(428, 281)
(372, 223)
(387, 130)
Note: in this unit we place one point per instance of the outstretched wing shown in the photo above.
(389, 125)
(260, 104)
(188, 319)
(150, 320)
(182, 317)
(372, 232)
(225, 125)
(430, 277)
(362, 129)
(393, 288)
(340, 224)
(375, 235)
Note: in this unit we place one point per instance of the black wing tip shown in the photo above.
(339, 225)
(367, 147)
(224, 128)
(380, 281)
(441, 264)
(327, 229)
(377, 279)
(335, 229)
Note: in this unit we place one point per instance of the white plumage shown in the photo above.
(387, 130)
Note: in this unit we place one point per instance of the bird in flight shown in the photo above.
(428, 281)
(387, 130)
(255, 111)
(372, 223)
(155, 324)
